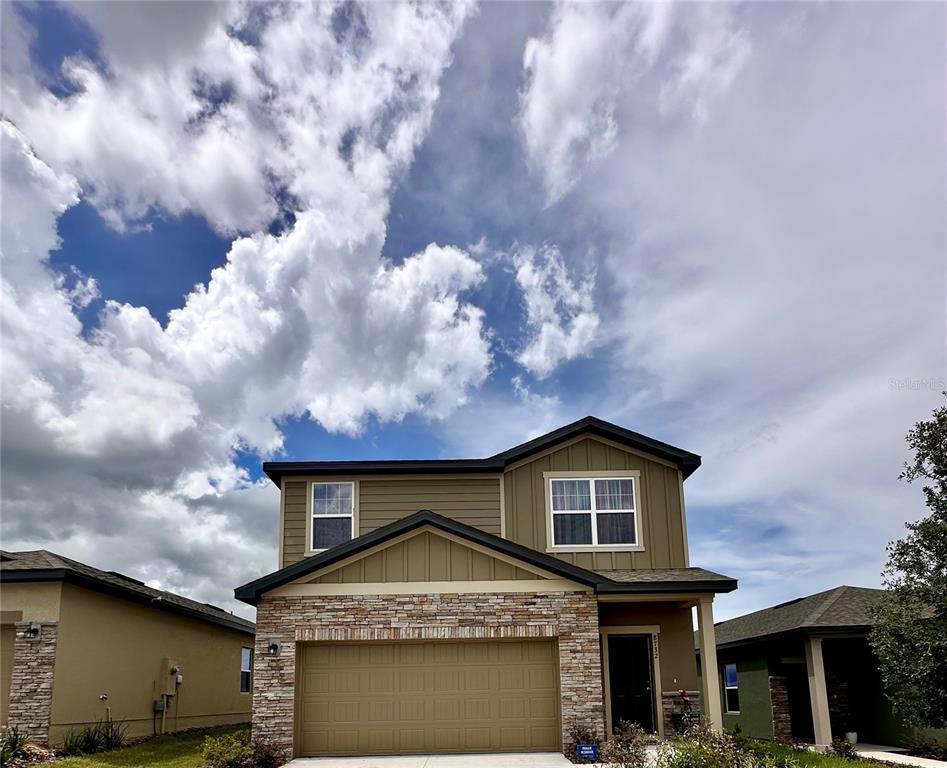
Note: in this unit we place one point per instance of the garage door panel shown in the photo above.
(446, 696)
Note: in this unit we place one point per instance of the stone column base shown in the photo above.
(671, 706)
(31, 679)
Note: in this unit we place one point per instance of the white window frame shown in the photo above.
(623, 474)
(242, 670)
(310, 515)
(726, 687)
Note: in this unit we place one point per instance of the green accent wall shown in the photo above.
(756, 716)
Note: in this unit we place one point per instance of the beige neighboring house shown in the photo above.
(482, 605)
(79, 645)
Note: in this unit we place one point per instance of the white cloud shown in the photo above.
(127, 432)
(198, 120)
(769, 274)
(594, 54)
(561, 321)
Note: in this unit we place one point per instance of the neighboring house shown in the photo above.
(79, 645)
(803, 671)
(544, 586)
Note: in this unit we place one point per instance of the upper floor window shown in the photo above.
(593, 511)
(333, 514)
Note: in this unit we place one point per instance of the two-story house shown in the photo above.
(480, 605)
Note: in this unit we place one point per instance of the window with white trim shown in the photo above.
(731, 691)
(593, 511)
(333, 514)
(246, 669)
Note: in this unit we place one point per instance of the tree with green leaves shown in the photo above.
(910, 632)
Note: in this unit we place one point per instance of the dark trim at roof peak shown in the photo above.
(687, 462)
(251, 592)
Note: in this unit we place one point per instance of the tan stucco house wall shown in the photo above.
(80, 655)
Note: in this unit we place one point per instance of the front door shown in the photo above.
(631, 680)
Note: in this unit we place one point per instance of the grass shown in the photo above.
(182, 751)
(809, 759)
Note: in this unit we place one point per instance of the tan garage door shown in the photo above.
(7, 636)
(405, 697)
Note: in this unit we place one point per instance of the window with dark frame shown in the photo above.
(593, 511)
(731, 689)
(246, 669)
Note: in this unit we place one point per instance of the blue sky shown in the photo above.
(432, 233)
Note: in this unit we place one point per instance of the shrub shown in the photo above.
(12, 744)
(231, 750)
(236, 750)
(844, 748)
(579, 733)
(266, 754)
(101, 736)
(626, 747)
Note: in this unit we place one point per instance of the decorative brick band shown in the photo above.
(671, 708)
(289, 619)
(31, 679)
(430, 632)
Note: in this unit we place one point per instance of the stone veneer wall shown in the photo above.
(671, 702)
(571, 617)
(31, 683)
(779, 699)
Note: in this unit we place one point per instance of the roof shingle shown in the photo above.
(839, 608)
(41, 564)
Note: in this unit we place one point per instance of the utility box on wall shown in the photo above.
(169, 675)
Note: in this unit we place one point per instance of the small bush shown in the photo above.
(266, 754)
(844, 748)
(928, 746)
(579, 733)
(12, 744)
(102, 736)
(236, 750)
(627, 747)
(232, 750)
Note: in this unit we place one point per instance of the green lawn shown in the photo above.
(810, 759)
(182, 751)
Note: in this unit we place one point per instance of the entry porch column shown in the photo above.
(818, 694)
(709, 678)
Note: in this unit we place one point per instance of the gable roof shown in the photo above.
(42, 565)
(686, 461)
(649, 580)
(839, 609)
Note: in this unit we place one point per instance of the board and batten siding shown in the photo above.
(425, 557)
(470, 499)
(662, 522)
(294, 521)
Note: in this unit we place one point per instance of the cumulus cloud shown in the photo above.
(774, 266)
(561, 321)
(118, 442)
(235, 114)
(594, 54)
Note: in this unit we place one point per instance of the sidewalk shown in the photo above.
(896, 756)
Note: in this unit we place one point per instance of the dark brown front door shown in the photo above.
(631, 680)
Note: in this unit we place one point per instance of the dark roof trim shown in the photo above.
(82, 580)
(250, 593)
(786, 634)
(716, 586)
(687, 462)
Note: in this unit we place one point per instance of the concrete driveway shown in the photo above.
(511, 760)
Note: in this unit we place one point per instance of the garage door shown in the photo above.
(7, 636)
(404, 697)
